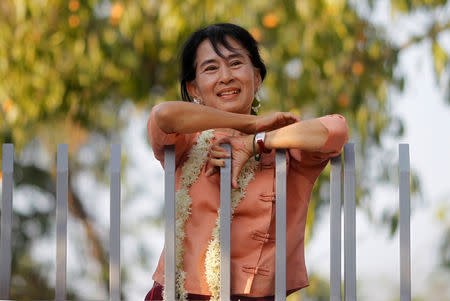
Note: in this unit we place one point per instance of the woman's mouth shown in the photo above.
(229, 93)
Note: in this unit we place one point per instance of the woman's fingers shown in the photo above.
(218, 154)
(213, 166)
(276, 120)
(242, 150)
(293, 117)
(216, 162)
(211, 171)
(287, 118)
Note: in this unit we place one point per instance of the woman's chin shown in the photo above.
(235, 109)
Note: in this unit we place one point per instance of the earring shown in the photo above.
(256, 104)
(196, 101)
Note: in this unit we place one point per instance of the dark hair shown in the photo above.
(216, 34)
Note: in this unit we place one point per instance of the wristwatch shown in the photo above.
(260, 137)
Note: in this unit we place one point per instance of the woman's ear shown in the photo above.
(192, 89)
(258, 80)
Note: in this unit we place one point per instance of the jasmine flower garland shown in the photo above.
(189, 174)
(212, 259)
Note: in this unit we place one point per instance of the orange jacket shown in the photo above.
(253, 224)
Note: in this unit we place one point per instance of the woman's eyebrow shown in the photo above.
(230, 57)
(235, 55)
(207, 62)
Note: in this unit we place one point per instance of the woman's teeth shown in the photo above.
(229, 92)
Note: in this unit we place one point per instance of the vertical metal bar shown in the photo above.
(349, 222)
(225, 227)
(280, 230)
(169, 191)
(405, 238)
(6, 214)
(335, 229)
(61, 221)
(114, 238)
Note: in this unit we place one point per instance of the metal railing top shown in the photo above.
(349, 187)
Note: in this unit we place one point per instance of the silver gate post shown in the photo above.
(169, 191)
(335, 229)
(225, 226)
(6, 214)
(114, 213)
(280, 226)
(61, 222)
(405, 235)
(349, 222)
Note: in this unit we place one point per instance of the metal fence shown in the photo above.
(349, 204)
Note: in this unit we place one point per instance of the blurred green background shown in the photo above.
(73, 71)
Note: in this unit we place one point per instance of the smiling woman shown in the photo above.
(228, 81)
(221, 72)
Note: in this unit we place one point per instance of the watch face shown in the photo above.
(260, 136)
(260, 140)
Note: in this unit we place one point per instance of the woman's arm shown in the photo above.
(309, 135)
(327, 134)
(184, 117)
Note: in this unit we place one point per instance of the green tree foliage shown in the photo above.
(67, 66)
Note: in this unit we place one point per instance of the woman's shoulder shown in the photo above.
(158, 139)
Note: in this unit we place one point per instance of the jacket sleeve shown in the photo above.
(158, 139)
(337, 134)
(337, 128)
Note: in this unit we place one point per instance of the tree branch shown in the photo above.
(432, 33)
(32, 175)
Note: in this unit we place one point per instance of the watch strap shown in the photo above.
(260, 139)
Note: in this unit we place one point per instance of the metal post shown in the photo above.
(280, 230)
(6, 214)
(225, 227)
(169, 191)
(61, 221)
(114, 238)
(349, 222)
(405, 236)
(335, 229)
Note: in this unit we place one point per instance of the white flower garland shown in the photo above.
(189, 174)
(212, 260)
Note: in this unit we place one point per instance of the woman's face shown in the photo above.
(227, 83)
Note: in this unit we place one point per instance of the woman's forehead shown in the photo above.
(206, 50)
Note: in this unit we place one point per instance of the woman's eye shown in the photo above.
(209, 68)
(235, 63)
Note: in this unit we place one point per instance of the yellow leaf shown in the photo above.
(362, 120)
(303, 9)
(295, 111)
(349, 44)
(374, 51)
(341, 30)
(329, 67)
(441, 213)
(440, 58)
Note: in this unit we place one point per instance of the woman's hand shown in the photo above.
(273, 121)
(242, 149)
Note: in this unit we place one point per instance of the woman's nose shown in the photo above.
(226, 75)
